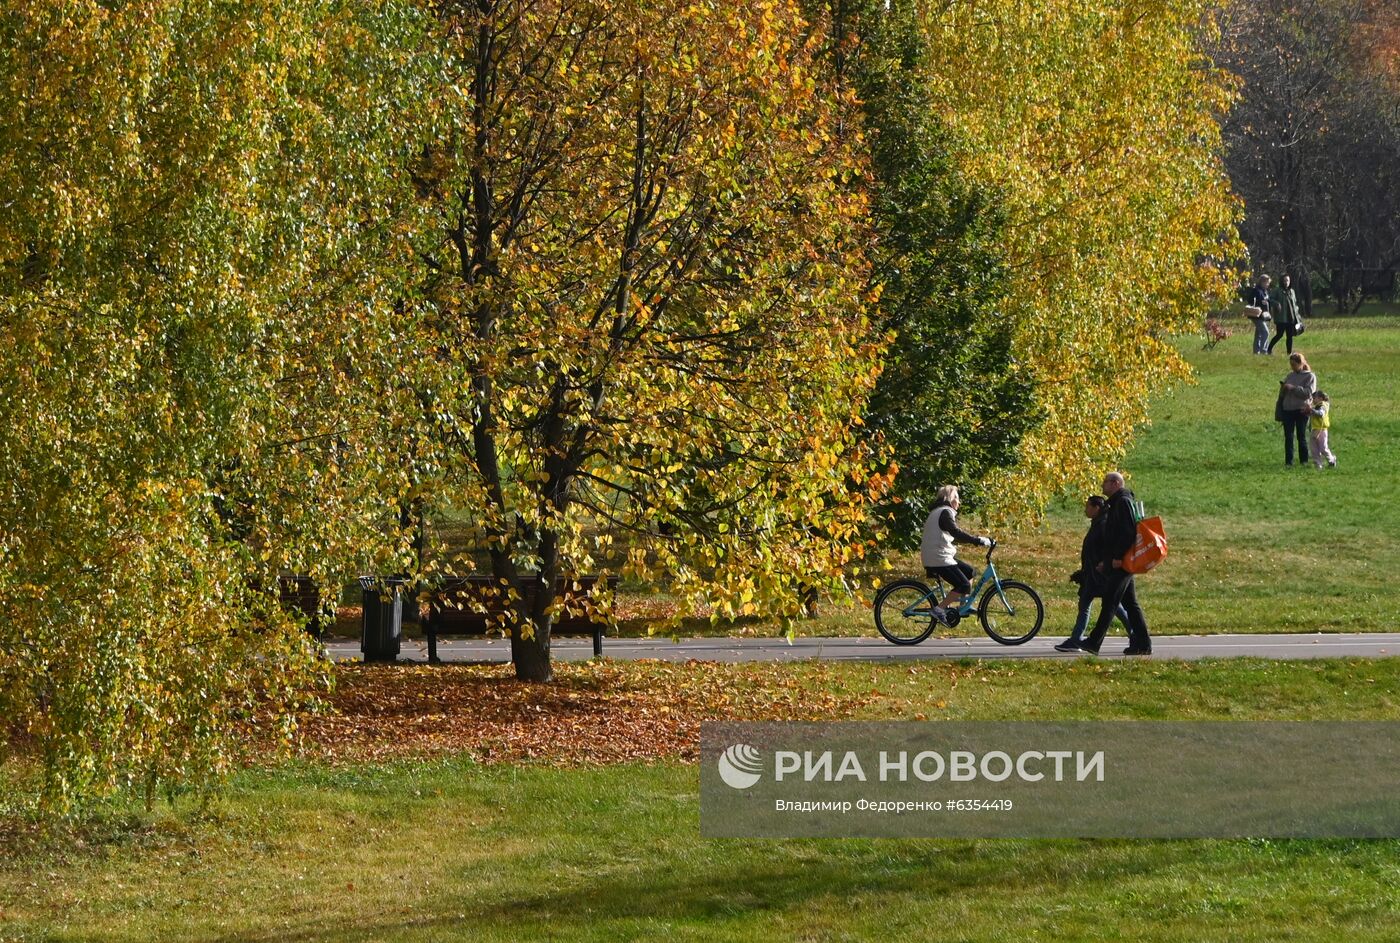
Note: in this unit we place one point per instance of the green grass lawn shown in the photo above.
(447, 849)
(1255, 547)
(1261, 547)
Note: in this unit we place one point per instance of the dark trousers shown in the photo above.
(1284, 330)
(1087, 595)
(1295, 426)
(1119, 592)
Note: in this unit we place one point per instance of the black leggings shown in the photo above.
(1290, 330)
(1295, 424)
(959, 576)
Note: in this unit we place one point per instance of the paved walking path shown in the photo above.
(1189, 647)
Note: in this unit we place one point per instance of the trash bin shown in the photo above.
(381, 627)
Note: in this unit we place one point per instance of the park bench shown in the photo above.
(300, 594)
(455, 608)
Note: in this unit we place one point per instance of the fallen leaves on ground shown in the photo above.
(592, 714)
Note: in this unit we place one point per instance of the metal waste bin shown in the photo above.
(381, 628)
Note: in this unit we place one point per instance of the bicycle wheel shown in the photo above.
(904, 612)
(1012, 616)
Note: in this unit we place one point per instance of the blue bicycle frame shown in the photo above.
(969, 600)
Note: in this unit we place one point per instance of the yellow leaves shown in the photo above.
(1107, 164)
(259, 369)
(180, 433)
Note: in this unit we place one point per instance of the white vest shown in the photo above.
(937, 548)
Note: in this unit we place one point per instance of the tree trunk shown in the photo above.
(531, 656)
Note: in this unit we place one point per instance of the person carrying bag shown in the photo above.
(1120, 535)
(1295, 406)
(1150, 546)
(1287, 321)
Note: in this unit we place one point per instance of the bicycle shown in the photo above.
(1010, 611)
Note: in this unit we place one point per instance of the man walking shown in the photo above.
(1119, 534)
(1286, 318)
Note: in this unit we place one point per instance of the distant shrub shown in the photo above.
(1215, 332)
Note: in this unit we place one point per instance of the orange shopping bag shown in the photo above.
(1150, 547)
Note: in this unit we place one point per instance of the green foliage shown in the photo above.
(1050, 206)
(1096, 122)
(198, 196)
(951, 401)
(280, 280)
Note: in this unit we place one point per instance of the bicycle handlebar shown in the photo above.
(990, 547)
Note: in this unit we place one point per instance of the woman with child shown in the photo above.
(1295, 407)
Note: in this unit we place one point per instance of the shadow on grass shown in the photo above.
(744, 882)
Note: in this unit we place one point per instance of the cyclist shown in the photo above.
(941, 531)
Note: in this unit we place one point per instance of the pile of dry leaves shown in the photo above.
(593, 713)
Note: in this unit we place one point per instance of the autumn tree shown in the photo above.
(640, 342)
(196, 244)
(1092, 126)
(1314, 141)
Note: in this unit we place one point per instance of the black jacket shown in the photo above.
(1119, 531)
(945, 524)
(1088, 577)
(1287, 307)
(1093, 544)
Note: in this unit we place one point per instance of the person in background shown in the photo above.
(1088, 576)
(1260, 320)
(1259, 302)
(1285, 313)
(1319, 422)
(1298, 388)
(941, 531)
(1119, 534)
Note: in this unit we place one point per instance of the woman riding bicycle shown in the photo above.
(941, 531)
